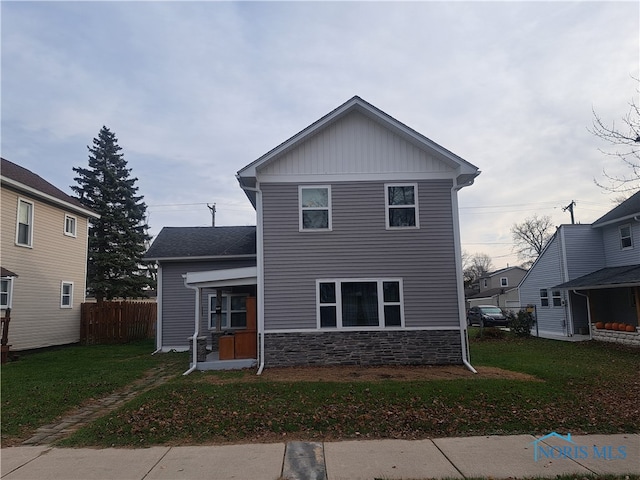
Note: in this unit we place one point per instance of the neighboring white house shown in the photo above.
(499, 288)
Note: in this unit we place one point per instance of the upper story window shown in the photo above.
(359, 303)
(544, 297)
(315, 207)
(504, 282)
(234, 311)
(401, 202)
(66, 295)
(6, 290)
(24, 227)
(70, 223)
(626, 241)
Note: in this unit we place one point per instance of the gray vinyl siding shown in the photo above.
(545, 273)
(359, 246)
(178, 302)
(615, 256)
(584, 251)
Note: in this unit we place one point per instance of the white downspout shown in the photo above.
(260, 270)
(158, 311)
(197, 328)
(464, 336)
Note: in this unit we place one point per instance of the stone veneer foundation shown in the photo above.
(626, 338)
(396, 347)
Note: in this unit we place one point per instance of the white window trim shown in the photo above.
(630, 237)
(387, 206)
(547, 298)
(73, 234)
(338, 303)
(62, 294)
(328, 208)
(9, 280)
(555, 297)
(226, 298)
(504, 281)
(31, 216)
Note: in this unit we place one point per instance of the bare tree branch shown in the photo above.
(531, 236)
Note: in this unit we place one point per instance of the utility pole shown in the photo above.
(570, 208)
(212, 208)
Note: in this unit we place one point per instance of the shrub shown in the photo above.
(521, 323)
(490, 333)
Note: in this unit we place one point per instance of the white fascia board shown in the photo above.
(222, 278)
(49, 198)
(357, 177)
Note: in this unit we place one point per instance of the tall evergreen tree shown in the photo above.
(117, 239)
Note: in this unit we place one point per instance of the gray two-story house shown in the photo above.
(588, 273)
(357, 256)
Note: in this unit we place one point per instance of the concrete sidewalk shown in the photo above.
(488, 456)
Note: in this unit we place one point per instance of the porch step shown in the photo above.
(304, 461)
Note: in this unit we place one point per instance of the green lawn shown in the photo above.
(43, 385)
(584, 388)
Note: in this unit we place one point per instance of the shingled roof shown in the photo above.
(22, 179)
(627, 275)
(625, 211)
(175, 243)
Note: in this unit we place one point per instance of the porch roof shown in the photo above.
(223, 278)
(611, 277)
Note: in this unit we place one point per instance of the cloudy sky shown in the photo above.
(195, 91)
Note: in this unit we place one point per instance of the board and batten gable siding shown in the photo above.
(37, 320)
(359, 246)
(584, 250)
(178, 301)
(615, 255)
(546, 273)
(355, 144)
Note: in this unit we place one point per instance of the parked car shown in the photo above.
(486, 316)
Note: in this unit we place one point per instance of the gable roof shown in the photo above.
(466, 171)
(189, 243)
(26, 181)
(627, 210)
(610, 277)
(502, 270)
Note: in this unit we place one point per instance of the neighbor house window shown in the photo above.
(544, 297)
(401, 202)
(6, 290)
(556, 296)
(315, 207)
(70, 226)
(234, 311)
(625, 237)
(66, 295)
(24, 230)
(504, 282)
(359, 303)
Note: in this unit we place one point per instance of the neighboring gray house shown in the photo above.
(357, 246)
(588, 273)
(499, 288)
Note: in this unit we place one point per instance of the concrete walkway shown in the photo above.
(516, 456)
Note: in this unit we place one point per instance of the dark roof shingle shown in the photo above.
(605, 277)
(627, 209)
(199, 242)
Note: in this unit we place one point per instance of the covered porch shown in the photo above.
(228, 299)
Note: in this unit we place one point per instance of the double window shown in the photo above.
(359, 303)
(315, 207)
(66, 295)
(544, 297)
(234, 311)
(24, 228)
(401, 205)
(626, 240)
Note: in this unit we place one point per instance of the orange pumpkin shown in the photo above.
(599, 325)
(630, 328)
(614, 326)
(608, 326)
(622, 327)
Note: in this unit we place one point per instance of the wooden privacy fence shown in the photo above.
(117, 322)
